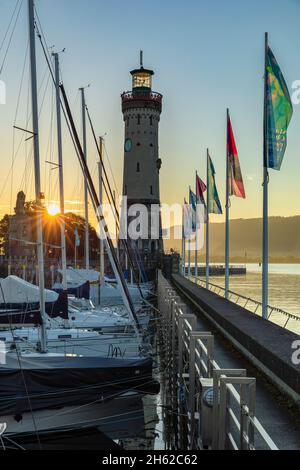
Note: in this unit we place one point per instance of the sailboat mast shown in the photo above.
(101, 245)
(86, 202)
(116, 225)
(101, 220)
(61, 177)
(38, 194)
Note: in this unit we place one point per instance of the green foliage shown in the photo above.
(51, 229)
(4, 224)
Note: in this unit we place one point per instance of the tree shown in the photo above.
(4, 225)
(51, 230)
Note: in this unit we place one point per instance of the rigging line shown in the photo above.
(41, 37)
(87, 405)
(78, 149)
(40, 111)
(110, 196)
(49, 151)
(108, 398)
(40, 31)
(22, 374)
(10, 39)
(15, 119)
(126, 414)
(113, 203)
(10, 22)
(14, 443)
(21, 83)
(20, 143)
(111, 170)
(28, 117)
(97, 386)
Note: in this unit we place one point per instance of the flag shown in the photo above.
(279, 111)
(187, 220)
(236, 184)
(213, 203)
(193, 204)
(77, 237)
(200, 190)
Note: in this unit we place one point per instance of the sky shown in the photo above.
(207, 55)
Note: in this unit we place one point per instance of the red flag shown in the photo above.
(200, 189)
(236, 184)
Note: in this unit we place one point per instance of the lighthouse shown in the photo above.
(141, 108)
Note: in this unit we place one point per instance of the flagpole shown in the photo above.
(196, 237)
(207, 226)
(183, 245)
(75, 250)
(265, 247)
(227, 218)
(189, 245)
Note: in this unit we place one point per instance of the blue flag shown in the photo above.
(213, 204)
(279, 113)
(193, 204)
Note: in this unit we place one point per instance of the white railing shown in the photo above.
(212, 407)
(252, 305)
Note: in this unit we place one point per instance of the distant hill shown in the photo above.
(246, 240)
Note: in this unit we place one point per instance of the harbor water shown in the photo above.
(284, 289)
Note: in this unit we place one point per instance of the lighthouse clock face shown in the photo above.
(128, 145)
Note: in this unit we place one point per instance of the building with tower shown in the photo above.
(21, 231)
(141, 109)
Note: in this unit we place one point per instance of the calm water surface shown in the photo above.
(284, 289)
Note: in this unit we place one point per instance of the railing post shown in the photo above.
(210, 341)
(192, 320)
(218, 427)
(247, 397)
(195, 336)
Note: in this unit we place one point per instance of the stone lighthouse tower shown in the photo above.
(141, 109)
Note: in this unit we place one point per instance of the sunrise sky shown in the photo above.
(207, 56)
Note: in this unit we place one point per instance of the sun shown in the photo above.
(53, 209)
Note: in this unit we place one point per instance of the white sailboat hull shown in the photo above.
(77, 342)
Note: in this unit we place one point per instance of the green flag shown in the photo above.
(279, 111)
(213, 203)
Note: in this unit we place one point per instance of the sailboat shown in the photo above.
(78, 323)
(40, 390)
(88, 282)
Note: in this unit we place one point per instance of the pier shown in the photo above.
(210, 348)
(219, 270)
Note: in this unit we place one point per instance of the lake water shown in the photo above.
(284, 289)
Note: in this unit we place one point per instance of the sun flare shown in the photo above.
(53, 209)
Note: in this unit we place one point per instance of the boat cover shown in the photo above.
(75, 439)
(17, 294)
(81, 291)
(14, 290)
(57, 381)
(20, 317)
(81, 276)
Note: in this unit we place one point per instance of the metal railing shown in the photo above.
(137, 96)
(210, 407)
(252, 305)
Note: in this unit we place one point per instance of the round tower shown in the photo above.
(141, 109)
